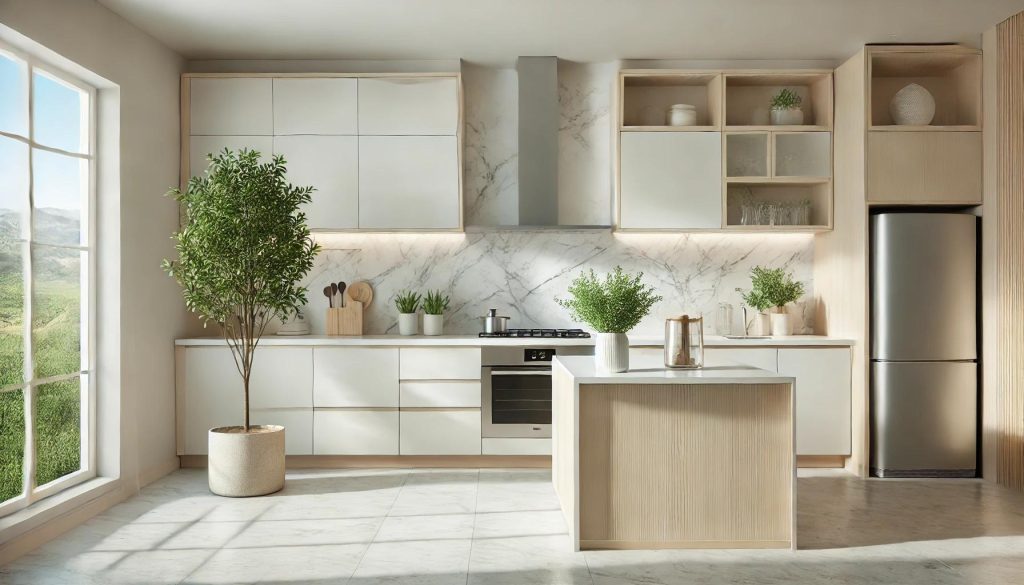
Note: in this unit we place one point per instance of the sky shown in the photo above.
(57, 109)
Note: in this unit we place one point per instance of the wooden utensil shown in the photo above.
(334, 295)
(341, 292)
(330, 296)
(361, 291)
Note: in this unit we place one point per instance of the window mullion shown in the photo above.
(29, 391)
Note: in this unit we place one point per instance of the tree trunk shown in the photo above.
(245, 382)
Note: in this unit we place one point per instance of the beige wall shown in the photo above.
(140, 309)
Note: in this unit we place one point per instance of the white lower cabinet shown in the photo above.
(440, 432)
(297, 423)
(822, 398)
(363, 377)
(355, 432)
(759, 357)
(440, 394)
(439, 363)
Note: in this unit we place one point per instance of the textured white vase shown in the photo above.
(243, 464)
(611, 353)
(781, 323)
(912, 105)
(407, 324)
(759, 324)
(433, 324)
(787, 116)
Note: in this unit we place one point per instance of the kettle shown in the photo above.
(684, 342)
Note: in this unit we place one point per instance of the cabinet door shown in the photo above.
(282, 377)
(440, 363)
(213, 395)
(408, 106)
(440, 432)
(355, 432)
(409, 182)
(315, 106)
(297, 423)
(355, 377)
(822, 398)
(670, 180)
(924, 167)
(331, 165)
(231, 106)
(201, 146)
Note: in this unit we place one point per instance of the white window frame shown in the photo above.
(32, 493)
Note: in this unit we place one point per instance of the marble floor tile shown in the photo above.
(415, 562)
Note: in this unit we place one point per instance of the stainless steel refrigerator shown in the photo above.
(924, 347)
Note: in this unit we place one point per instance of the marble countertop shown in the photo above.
(474, 341)
(583, 372)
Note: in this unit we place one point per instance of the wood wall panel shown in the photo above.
(1010, 249)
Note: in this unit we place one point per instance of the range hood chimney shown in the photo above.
(538, 140)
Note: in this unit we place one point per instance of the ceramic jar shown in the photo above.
(681, 115)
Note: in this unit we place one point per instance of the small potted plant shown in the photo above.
(772, 289)
(612, 306)
(407, 303)
(785, 108)
(434, 306)
(243, 248)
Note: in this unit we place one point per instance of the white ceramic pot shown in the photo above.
(912, 105)
(242, 464)
(759, 324)
(787, 116)
(407, 324)
(611, 352)
(781, 323)
(433, 324)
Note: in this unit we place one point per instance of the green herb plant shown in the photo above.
(613, 304)
(244, 246)
(771, 287)
(786, 99)
(407, 301)
(435, 303)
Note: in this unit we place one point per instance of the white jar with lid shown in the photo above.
(681, 115)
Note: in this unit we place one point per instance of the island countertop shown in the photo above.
(583, 371)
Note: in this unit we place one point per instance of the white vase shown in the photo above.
(781, 323)
(611, 353)
(912, 105)
(407, 324)
(787, 116)
(759, 324)
(242, 464)
(433, 324)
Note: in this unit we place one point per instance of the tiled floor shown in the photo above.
(435, 527)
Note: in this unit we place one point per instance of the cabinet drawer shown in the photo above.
(446, 363)
(297, 423)
(436, 394)
(924, 167)
(822, 375)
(440, 432)
(408, 106)
(355, 377)
(355, 432)
(499, 446)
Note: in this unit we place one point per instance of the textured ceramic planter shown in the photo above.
(407, 324)
(433, 324)
(787, 116)
(781, 323)
(242, 464)
(611, 352)
(759, 324)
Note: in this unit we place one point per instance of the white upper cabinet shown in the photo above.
(232, 106)
(408, 106)
(330, 164)
(671, 180)
(325, 106)
(200, 146)
(409, 182)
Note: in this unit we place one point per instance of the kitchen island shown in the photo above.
(660, 458)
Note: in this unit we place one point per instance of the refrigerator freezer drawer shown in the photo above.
(924, 419)
(923, 286)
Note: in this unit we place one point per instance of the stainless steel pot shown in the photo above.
(494, 323)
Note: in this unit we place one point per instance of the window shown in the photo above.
(47, 171)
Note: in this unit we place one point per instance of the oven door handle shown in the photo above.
(520, 372)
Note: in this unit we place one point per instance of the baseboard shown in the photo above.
(150, 475)
(820, 461)
(397, 461)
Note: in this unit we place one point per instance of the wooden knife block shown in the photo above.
(347, 320)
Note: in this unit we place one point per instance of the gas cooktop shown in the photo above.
(538, 333)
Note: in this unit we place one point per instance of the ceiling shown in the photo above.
(495, 31)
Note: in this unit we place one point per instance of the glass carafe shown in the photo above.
(684, 342)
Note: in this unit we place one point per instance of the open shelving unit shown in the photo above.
(648, 94)
(748, 95)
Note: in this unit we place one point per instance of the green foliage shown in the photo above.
(244, 247)
(614, 304)
(771, 287)
(786, 99)
(435, 303)
(407, 301)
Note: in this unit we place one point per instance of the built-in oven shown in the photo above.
(516, 386)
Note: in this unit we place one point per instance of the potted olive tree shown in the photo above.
(772, 289)
(241, 252)
(612, 306)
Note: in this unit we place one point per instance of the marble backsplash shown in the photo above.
(521, 273)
